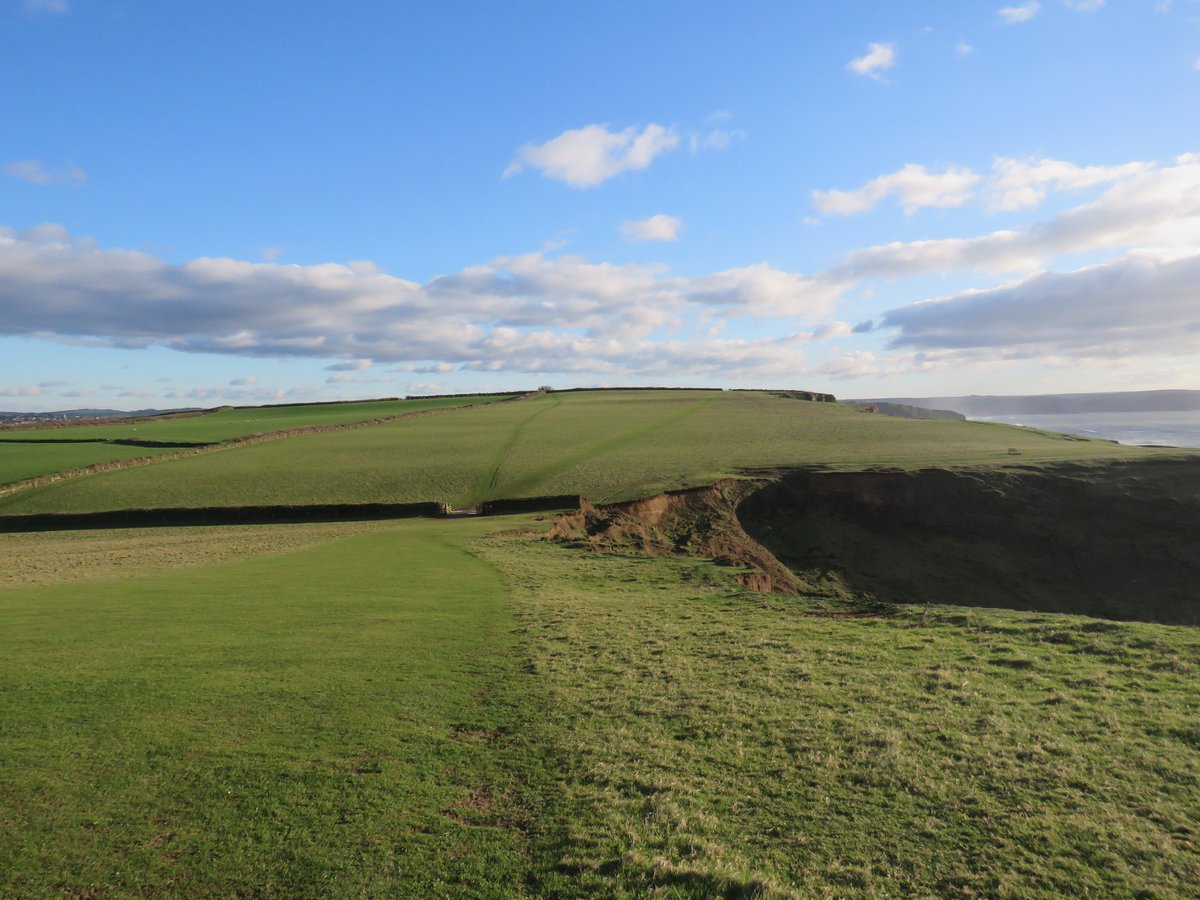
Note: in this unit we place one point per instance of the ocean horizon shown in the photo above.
(1173, 428)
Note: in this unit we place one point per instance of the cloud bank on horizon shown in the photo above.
(929, 270)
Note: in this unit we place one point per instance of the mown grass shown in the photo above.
(326, 723)
(427, 710)
(24, 455)
(605, 445)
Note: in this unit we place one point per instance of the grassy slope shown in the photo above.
(606, 445)
(21, 457)
(279, 726)
(714, 742)
(286, 726)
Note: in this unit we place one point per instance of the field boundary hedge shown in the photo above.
(221, 515)
(528, 504)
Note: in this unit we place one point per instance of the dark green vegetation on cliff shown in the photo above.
(462, 707)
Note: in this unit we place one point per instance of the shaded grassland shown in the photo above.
(424, 709)
(27, 453)
(605, 445)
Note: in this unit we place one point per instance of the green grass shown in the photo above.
(22, 456)
(605, 445)
(298, 725)
(711, 742)
(421, 709)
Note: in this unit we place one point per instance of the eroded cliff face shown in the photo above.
(697, 522)
(1118, 541)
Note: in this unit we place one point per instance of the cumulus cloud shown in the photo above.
(20, 391)
(588, 156)
(1020, 184)
(1140, 302)
(34, 171)
(244, 382)
(1085, 6)
(350, 365)
(1160, 207)
(877, 60)
(534, 312)
(655, 228)
(1014, 15)
(914, 186)
(1013, 184)
(962, 48)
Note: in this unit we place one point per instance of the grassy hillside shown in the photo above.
(27, 453)
(418, 709)
(605, 445)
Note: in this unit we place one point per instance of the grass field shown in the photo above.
(26, 453)
(421, 709)
(605, 445)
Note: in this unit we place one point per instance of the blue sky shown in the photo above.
(230, 202)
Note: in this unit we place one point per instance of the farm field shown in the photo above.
(606, 445)
(455, 707)
(27, 453)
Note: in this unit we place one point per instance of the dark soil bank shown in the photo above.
(1116, 541)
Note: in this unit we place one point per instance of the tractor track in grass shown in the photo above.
(488, 483)
(526, 482)
(26, 484)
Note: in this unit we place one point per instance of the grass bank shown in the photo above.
(27, 453)
(606, 445)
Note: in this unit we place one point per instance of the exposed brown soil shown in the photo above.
(1114, 540)
(696, 522)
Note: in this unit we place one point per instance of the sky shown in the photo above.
(235, 203)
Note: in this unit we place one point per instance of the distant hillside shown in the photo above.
(60, 414)
(905, 411)
(1053, 404)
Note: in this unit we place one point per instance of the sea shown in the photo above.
(1159, 429)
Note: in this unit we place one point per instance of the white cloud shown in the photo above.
(1013, 15)
(1197, 64)
(1013, 184)
(1159, 207)
(1020, 184)
(530, 313)
(20, 391)
(1138, 303)
(35, 171)
(1085, 6)
(962, 48)
(350, 365)
(832, 330)
(878, 59)
(588, 156)
(914, 185)
(655, 228)
(244, 382)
